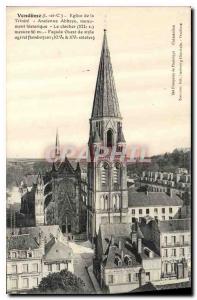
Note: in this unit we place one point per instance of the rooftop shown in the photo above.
(56, 250)
(117, 246)
(174, 225)
(47, 231)
(22, 242)
(141, 199)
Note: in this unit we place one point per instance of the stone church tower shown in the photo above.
(107, 174)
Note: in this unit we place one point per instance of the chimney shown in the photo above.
(134, 237)
(151, 254)
(139, 245)
(42, 243)
(170, 192)
(120, 244)
(122, 255)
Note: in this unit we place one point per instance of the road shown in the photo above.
(83, 255)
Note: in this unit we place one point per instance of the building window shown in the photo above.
(165, 240)
(140, 211)
(155, 210)
(163, 218)
(173, 239)
(135, 276)
(29, 254)
(163, 210)
(170, 218)
(50, 268)
(110, 279)
(25, 282)
(25, 268)
(105, 174)
(133, 211)
(117, 175)
(116, 202)
(147, 276)
(109, 138)
(182, 251)
(133, 220)
(170, 210)
(14, 284)
(14, 255)
(14, 269)
(34, 281)
(165, 268)
(173, 252)
(147, 211)
(105, 202)
(173, 268)
(35, 268)
(23, 254)
(129, 277)
(58, 267)
(165, 252)
(182, 239)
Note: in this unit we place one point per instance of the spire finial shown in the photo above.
(57, 145)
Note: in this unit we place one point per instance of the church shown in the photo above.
(107, 178)
(62, 197)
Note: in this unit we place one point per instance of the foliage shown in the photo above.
(63, 282)
(167, 162)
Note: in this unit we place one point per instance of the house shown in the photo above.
(58, 256)
(33, 253)
(172, 240)
(158, 205)
(24, 263)
(124, 260)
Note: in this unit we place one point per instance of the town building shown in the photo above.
(179, 181)
(124, 259)
(158, 205)
(33, 253)
(24, 263)
(57, 257)
(172, 240)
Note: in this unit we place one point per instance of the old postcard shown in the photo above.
(98, 150)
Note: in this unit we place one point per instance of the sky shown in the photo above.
(48, 86)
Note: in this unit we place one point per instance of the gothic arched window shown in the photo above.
(116, 201)
(105, 174)
(117, 176)
(106, 202)
(109, 138)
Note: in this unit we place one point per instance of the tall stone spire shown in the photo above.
(105, 97)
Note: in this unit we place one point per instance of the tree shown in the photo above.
(63, 282)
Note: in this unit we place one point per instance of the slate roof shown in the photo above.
(48, 231)
(141, 199)
(66, 167)
(56, 250)
(22, 242)
(174, 225)
(113, 234)
(105, 97)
